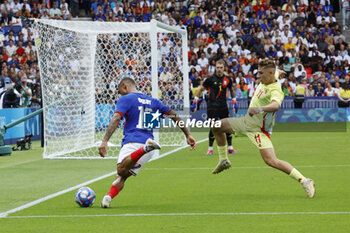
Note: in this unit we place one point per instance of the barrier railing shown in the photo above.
(288, 102)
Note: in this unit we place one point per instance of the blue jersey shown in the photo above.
(131, 107)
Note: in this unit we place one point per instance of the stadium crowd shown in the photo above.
(303, 37)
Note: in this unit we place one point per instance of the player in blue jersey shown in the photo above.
(138, 145)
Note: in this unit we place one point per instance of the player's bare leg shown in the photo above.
(270, 159)
(123, 170)
(220, 136)
(230, 148)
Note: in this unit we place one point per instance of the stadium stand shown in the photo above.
(305, 38)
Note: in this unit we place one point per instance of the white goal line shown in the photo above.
(182, 214)
(252, 167)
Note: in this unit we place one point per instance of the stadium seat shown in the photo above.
(16, 29)
(6, 30)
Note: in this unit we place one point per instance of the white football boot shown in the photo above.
(222, 165)
(106, 202)
(309, 187)
(152, 145)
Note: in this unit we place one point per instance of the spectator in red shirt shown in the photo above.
(20, 49)
(5, 57)
(302, 5)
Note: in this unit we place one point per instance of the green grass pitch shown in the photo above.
(178, 193)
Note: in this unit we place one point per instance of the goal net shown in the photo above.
(81, 64)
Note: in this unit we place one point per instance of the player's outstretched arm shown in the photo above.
(190, 140)
(113, 124)
(232, 93)
(234, 101)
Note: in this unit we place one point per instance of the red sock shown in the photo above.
(136, 155)
(113, 191)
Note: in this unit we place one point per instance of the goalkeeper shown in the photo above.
(217, 104)
(258, 123)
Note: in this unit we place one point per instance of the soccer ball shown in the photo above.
(85, 197)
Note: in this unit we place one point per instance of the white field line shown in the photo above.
(180, 214)
(257, 167)
(6, 213)
(177, 149)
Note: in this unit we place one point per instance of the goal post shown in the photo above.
(81, 64)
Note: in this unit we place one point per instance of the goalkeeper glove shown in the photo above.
(194, 104)
(235, 107)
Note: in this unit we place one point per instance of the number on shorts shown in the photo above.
(257, 138)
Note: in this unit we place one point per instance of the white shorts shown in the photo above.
(130, 147)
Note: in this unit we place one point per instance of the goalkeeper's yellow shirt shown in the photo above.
(264, 95)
